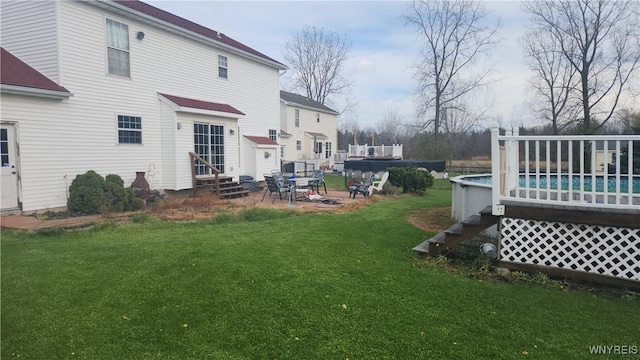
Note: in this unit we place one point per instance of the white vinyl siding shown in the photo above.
(77, 47)
(29, 32)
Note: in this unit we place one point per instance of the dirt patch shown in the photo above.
(205, 206)
(434, 219)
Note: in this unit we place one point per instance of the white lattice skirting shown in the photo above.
(602, 250)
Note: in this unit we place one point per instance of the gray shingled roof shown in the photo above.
(304, 101)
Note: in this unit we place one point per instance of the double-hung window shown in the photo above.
(273, 135)
(298, 145)
(118, 48)
(222, 66)
(297, 117)
(129, 129)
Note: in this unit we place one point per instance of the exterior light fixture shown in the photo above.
(140, 35)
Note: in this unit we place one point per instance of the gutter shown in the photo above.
(105, 4)
(21, 90)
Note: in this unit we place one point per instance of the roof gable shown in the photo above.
(185, 24)
(304, 101)
(14, 71)
(200, 104)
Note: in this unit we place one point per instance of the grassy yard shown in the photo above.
(269, 284)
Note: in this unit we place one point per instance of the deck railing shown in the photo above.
(590, 171)
(194, 177)
(392, 151)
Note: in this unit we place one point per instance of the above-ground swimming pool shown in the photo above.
(472, 193)
(564, 182)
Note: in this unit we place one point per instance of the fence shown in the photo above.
(393, 151)
(594, 171)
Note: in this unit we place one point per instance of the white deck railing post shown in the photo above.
(496, 208)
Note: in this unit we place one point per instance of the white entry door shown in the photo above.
(8, 168)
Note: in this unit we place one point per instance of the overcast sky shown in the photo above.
(383, 49)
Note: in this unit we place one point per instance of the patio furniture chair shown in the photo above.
(317, 179)
(378, 184)
(277, 187)
(364, 188)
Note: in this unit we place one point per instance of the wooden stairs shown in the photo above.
(223, 186)
(456, 234)
(228, 189)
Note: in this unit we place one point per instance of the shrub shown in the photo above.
(411, 180)
(90, 193)
(86, 194)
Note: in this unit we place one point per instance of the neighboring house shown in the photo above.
(121, 87)
(308, 130)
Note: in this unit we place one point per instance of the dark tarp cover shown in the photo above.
(382, 165)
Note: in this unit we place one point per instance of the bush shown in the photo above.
(411, 180)
(90, 193)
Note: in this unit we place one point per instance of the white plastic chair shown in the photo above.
(378, 184)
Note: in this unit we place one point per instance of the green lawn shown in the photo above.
(273, 285)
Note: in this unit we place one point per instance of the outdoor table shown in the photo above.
(302, 185)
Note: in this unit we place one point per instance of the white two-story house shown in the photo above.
(121, 87)
(308, 130)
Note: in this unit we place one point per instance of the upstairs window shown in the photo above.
(129, 129)
(297, 117)
(222, 66)
(118, 48)
(298, 145)
(273, 135)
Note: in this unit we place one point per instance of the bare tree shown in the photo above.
(317, 58)
(455, 35)
(391, 128)
(553, 80)
(629, 121)
(600, 39)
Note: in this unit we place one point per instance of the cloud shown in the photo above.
(383, 48)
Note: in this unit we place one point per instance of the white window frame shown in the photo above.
(327, 150)
(298, 145)
(223, 64)
(297, 117)
(210, 145)
(123, 124)
(273, 135)
(118, 49)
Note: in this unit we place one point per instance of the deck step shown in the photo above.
(229, 189)
(456, 229)
(234, 194)
(487, 211)
(458, 233)
(473, 220)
